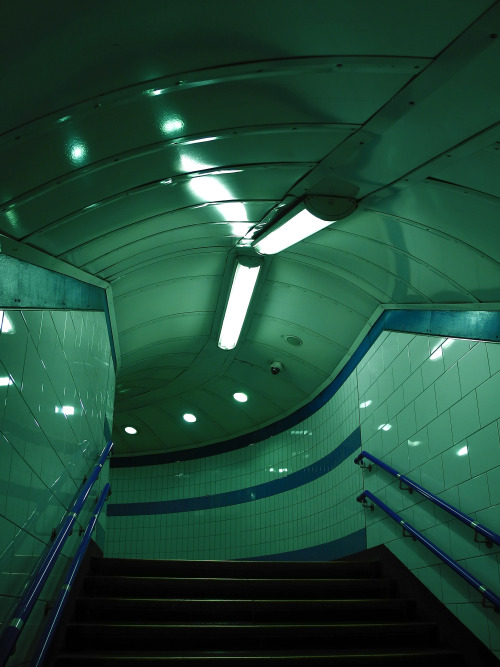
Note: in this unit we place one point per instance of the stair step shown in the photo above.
(236, 569)
(163, 610)
(234, 636)
(283, 589)
(359, 658)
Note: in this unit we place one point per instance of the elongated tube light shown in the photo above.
(310, 216)
(244, 280)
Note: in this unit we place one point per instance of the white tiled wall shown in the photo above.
(48, 360)
(428, 406)
(439, 400)
(310, 515)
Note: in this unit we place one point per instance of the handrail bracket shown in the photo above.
(477, 539)
(405, 488)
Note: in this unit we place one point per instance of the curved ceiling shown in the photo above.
(140, 142)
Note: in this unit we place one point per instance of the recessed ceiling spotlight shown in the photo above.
(188, 417)
(131, 430)
(295, 341)
(240, 397)
(77, 152)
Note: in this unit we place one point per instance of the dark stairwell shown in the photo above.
(365, 610)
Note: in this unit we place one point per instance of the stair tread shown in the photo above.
(342, 601)
(259, 654)
(229, 625)
(236, 579)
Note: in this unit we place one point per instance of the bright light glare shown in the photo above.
(240, 397)
(6, 324)
(242, 288)
(189, 417)
(65, 410)
(437, 352)
(131, 430)
(199, 141)
(385, 427)
(77, 152)
(172, 125)
(463, 451)
(365, 404)
(5, 381)
(210, 189)
(414, 443)
(296, 229)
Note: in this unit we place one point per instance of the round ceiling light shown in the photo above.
(295, 341)
(188, 417)
(240, 397)
(131, 430)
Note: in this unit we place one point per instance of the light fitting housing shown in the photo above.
(242, 287)
(313, 213)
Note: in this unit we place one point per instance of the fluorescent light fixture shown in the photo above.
(6, 325)
(188, 417)
(310, 216)
(244, 279)
(130, 429)
(296, 229)
(240, 397)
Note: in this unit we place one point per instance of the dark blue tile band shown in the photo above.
(476, 325)
(304, 476)
(344, 546)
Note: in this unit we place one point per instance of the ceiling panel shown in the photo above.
(139, 148)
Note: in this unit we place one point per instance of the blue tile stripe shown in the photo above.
(296, 479)
(344, 546)
(476, 325)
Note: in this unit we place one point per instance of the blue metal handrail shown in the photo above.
(479, 528)
(24, 607)
(485, 592)
(57, 609)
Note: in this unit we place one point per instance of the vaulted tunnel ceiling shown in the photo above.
(140, 142)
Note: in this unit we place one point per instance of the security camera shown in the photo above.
(276, 367)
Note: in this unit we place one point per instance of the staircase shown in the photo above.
(142, 612)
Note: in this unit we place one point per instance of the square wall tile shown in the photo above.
(456, 465)
(473, 368)
(401, 370)
(493, 352)
(487, 399)
(474, 494)
(13, 346)
(432, 369)
(484, 449)
(425, 407)
(448, 389)
(412, 387)
(432, 475)
(439, 434)
(418, 350)
(464, 417)
(453, 350)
